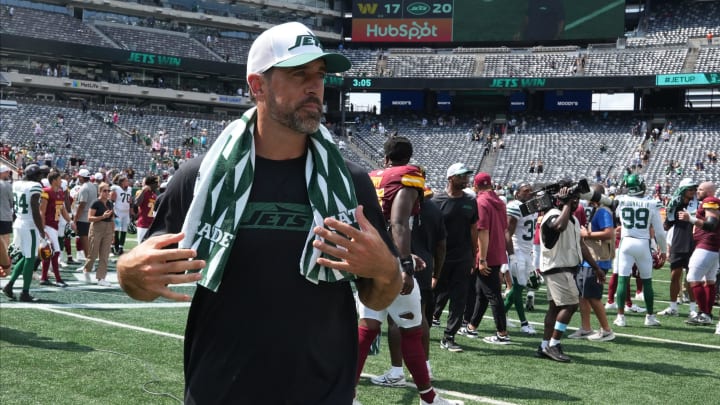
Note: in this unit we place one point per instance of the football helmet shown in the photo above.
(635, 185)
(69, 233)
(45, 250)
(14, 253)
(658, 260)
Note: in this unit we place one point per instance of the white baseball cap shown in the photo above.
(85, 173)
(457, 169)
(288, 45)
(99, 176)
(4, 169)
(687, 182)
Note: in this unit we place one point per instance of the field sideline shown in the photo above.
(90, 344)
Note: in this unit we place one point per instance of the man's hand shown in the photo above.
(364, 253)
(408, 283)
(146, 271)
(360, 251)
(684, 215)
(600, 276)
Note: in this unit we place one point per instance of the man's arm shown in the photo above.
(512, 224)
(37, 217)
(400, 229)
(587, 256)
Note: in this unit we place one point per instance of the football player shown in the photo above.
(52, 208)
(28, 229)
(519, 237)
(638, 216)
(703, 265)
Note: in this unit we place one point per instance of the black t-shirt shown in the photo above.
(429, 231)
(100, 209)
(269, 335)
(682, 234)
(460, 214)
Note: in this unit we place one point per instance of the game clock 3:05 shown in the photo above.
(365, 83)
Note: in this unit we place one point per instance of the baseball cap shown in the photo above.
(4, 169)
(99, 176)
(84, 173)
(482, 179)
(288, 45)
(688, 182)
(457, 169)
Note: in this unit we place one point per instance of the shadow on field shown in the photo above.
(19, 339)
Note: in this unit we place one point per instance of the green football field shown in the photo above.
(93, 345)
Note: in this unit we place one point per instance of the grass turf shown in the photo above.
(97, 346)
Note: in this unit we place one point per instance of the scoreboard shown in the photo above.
(485, 20)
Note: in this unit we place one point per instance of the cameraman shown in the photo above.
(562, 252)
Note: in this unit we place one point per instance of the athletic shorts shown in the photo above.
(405, 310)
(83, 228)
(680, 260)
(703, 266)
(587, 284)
(6, 227)
(561, 288)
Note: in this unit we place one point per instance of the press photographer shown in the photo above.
(562, 252)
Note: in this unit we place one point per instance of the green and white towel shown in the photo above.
(223, 187)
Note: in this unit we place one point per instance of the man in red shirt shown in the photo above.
(704, 261)
(491, 225)
(145, 203)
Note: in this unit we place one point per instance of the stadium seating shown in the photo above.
(673, 23)
(157, 41)
(53, 23)
(635, 62)
(708, 60)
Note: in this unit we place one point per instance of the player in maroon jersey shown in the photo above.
(704, 261)
(52, 207)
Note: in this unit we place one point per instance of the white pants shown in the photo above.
(703, 266)
(634, 251)
(122, 220)
(408, 305)
(522, 269)
(52, 235)
(141, 232)
(27, 240)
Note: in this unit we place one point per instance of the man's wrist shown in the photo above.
(407, 265)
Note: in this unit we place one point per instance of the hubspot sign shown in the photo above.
(402, 30)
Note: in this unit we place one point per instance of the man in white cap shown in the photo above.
(87, 194)
(275, 219)
(460, 214)
(682, 205)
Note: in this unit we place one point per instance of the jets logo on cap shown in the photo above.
(306, 40)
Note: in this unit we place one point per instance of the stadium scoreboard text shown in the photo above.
(485, 21)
